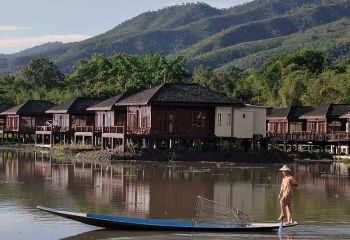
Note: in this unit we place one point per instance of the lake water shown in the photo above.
(164, 190)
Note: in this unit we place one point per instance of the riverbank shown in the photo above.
(95, 154)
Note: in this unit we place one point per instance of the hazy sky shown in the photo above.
(26, 23)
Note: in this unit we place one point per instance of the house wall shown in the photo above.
(259, 120)
(240, 122)
(183, 121)
(223, 126)
(26, 123)
(112, 118)
(243, 123)
(2, 121)
(76, 120)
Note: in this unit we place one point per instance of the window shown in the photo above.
(219, 119)
(144, 117)
(105, 119)
(165, 121)
(133, 117)
(61, 120)
(172, 122)
(243, 115)
(28, 122)
(229, 119)
(199, 119)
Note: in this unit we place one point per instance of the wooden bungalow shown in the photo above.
(172, 113)
(70, 119)
(24, 118)
(326, 119)
(3, 108)
(110, 119)
(286, 120)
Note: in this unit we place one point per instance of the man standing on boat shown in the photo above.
(286, 193)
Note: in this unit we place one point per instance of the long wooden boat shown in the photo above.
(129, 223)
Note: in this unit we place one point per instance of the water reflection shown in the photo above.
(162, 190)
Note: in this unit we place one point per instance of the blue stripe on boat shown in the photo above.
(143, 221)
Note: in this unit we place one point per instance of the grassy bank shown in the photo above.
(95, 154)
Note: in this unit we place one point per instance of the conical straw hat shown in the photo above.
(285, 168)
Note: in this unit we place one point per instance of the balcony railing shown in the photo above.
(11, 128)
(298, 136)
(44, 128)
(84, 128)
(139, 131)
(115, 129)
(338, 136)
(311, 136)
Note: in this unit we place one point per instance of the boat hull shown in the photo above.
(127, 223)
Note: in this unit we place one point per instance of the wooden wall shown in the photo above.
(185, 125)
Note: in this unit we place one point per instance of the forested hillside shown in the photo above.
(242, 36)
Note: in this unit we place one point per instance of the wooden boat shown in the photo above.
(129, 223)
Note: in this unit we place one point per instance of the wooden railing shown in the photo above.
(44, 128)
(298, 136)
(139, 131)
(115, 129)
(83, 128)
(338, 136)
(310, 136)
(11, 128)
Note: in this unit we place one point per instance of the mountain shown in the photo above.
(243, 36)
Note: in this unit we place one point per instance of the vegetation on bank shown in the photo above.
(306, 77)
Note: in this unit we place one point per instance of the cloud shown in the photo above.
(12, 28)
(12, 44)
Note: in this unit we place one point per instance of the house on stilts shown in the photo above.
(70, 122)
(172, 115)
(3, 108)
(22, 120)
(111, 120)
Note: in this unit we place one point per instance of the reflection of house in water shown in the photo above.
(340, 168)
(83, 173)
(60, 175)
(137, 197)
(15, 166)
(175, 193)
(43, 165)
(330, 182)
(241, 195)
(107, 184)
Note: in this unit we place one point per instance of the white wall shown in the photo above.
(225, 128)
(259, 119)
(254, 121)
(243, 123)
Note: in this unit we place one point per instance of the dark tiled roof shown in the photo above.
(290, 112)
(329, 110)
(141, 97)
(30, 107)
(5, 106)
(108, 104)
(178, 93)
(75, 105)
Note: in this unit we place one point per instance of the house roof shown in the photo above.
(5, 106)
(109, 103)
(327, 111)
(30, 107)
(177, 93)
(290, 112)
(75, 105)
